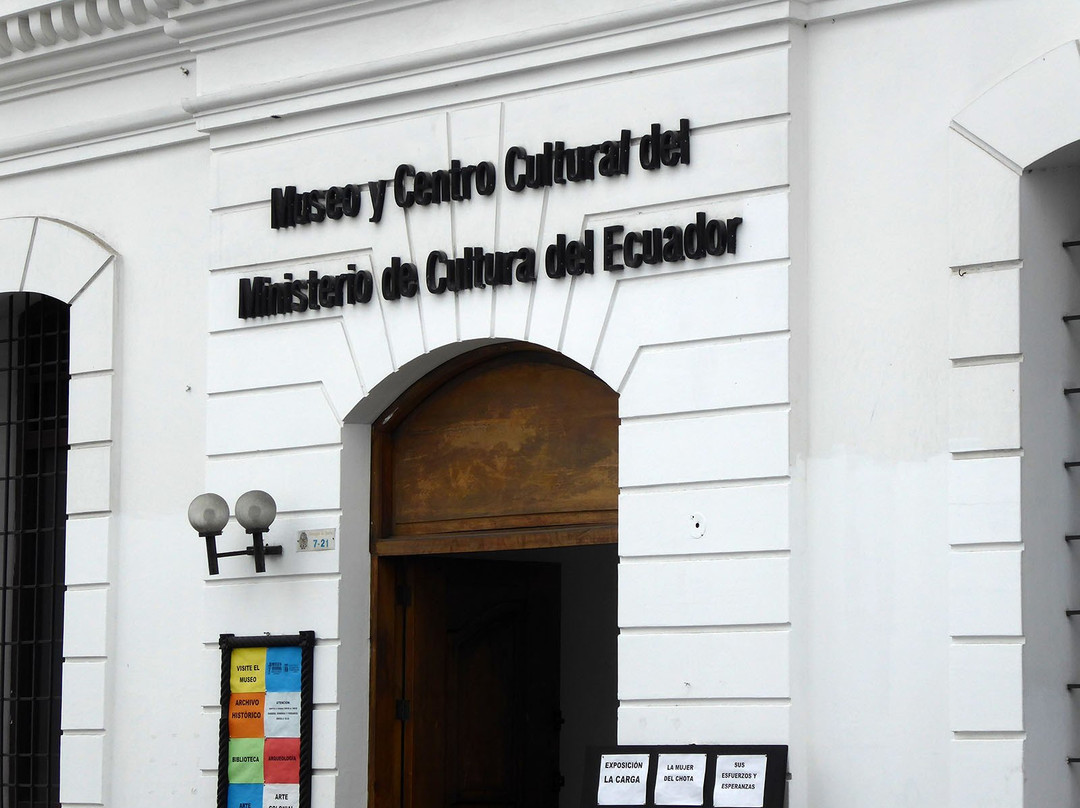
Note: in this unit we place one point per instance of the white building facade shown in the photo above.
(844, 417)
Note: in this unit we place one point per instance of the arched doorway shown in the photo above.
(494, 517)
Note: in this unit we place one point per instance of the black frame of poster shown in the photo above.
(775, 770)
(306, 641)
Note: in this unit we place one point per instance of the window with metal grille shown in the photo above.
(33, 448)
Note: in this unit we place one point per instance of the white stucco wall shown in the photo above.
(915, 650)
(840, 400)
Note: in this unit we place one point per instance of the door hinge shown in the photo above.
(401, 710)
(404, 595)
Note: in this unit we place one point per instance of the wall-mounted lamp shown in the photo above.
(255, 511)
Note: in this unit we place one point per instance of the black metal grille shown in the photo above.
(33, 451)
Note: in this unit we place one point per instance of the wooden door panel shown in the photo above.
(482, 681)
(485, 684)
(520, 441)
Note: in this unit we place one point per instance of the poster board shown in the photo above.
(711, 776)
(264, 736)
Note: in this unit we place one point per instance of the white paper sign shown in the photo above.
(282, 715)
(680, 780)
(623, 779)
(740, 781)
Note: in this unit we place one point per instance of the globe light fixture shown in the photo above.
(255, 511)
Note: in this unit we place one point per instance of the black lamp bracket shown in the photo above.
(257, 549)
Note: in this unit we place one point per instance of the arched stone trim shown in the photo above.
(55, 258)
(1021, 119)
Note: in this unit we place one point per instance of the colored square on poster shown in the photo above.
(248, 673)
(246, 715)
(281, 796)
(283, 669)
(281, 760)
(246, 760)
(282, 715)
(245, 795)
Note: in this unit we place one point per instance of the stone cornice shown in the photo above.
(70, 23)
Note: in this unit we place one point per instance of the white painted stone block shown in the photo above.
(986, 773)
(82, 760)
(587, 305)
(208, 739)
(431, 228)
(325, 675)
(706, 449)
(475, 136)
(440, 315)
(519, 226)
(83, 705)
(279, 606)
(984, 313)
(62, 260)
(707, 376)
(551, 299)
(283, 418)
(984, 500)
(984, 593)
(766, 723)
(92, 325)
(659, 310)
(984, 206)
(731, 664)
(210, 676)
(14, 244)
(294, 352)
(324, 739)
(85, 623)
(571, 315)
(986, 687)
(207, 783)
(90, 409)
(984, 407)
(763, 236)
(703, 592)
(86, 551)
(308, 479)
(324, 789)
(1041, 91)
(366, 332)
(704, 520)
(88, 488)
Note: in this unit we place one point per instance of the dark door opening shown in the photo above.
(479, 682)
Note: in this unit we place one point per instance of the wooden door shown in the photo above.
(478, 684)
(505, 448)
